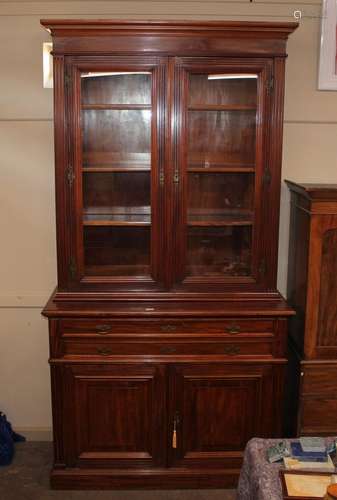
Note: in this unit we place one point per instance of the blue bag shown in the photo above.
(7, 439)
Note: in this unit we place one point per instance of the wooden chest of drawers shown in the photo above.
(312, 291)
(163, 399)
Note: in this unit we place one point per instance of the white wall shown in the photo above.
(27, 222)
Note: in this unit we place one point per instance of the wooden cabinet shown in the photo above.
(167, 332)
(312, 290)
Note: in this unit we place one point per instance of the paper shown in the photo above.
(306, 485)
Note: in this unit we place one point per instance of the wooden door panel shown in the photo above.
(217, 409)
(327, 322)
(231, 402)
(321, 321)
(117, 414)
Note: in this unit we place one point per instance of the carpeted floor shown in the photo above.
(28, 479)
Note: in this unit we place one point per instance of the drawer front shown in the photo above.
(319, 379)
(230, 327)
(71, 346)
(318, 416)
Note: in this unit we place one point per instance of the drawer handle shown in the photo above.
(168, 328)
(103, 329)
(168, 350)
(233, 329)
(103, 351)
(232, 350)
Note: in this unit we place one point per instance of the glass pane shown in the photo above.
(221, 138)
(116, 151)
(117, 251)
(116, 138)
(214, 251)
(116, 88)
(222, 120)
(230, 89)
(221, 158)
(219, 197)
(106, 196)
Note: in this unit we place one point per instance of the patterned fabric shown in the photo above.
(259, 480)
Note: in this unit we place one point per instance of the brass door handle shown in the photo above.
(168, 328)
(103, 329)
(103, 351)
(168, 350)
(233, 329)
(232, 350)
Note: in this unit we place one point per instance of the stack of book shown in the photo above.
(309, 453)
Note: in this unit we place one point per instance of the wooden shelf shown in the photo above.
(117, 169)
(127, 219)
(220, 107)
(220, 169)
(225, 219)
(122, 271)
(118, 107)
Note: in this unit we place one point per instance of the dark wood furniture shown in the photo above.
(312, 291)
(167, 332)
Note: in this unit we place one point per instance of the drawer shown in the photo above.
(230, 327)
(71, 346)
(318, 416)
(319, 379)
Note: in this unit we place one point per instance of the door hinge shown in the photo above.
(262, 267)
(270, 85)
(70, 175)
(266, 178)
(72, 268)
(161, 178)
(176, 177)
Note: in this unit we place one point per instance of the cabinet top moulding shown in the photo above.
(168, 37)
(314, 191)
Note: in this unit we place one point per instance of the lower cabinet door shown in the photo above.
(217, 408)
(112, 415)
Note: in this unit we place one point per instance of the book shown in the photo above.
(313, 444)
(307, 456)
(294, 464)
(277, 452)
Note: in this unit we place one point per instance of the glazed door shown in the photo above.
(113, 415)
(217, 408)
(220, 140)
(117, 171)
